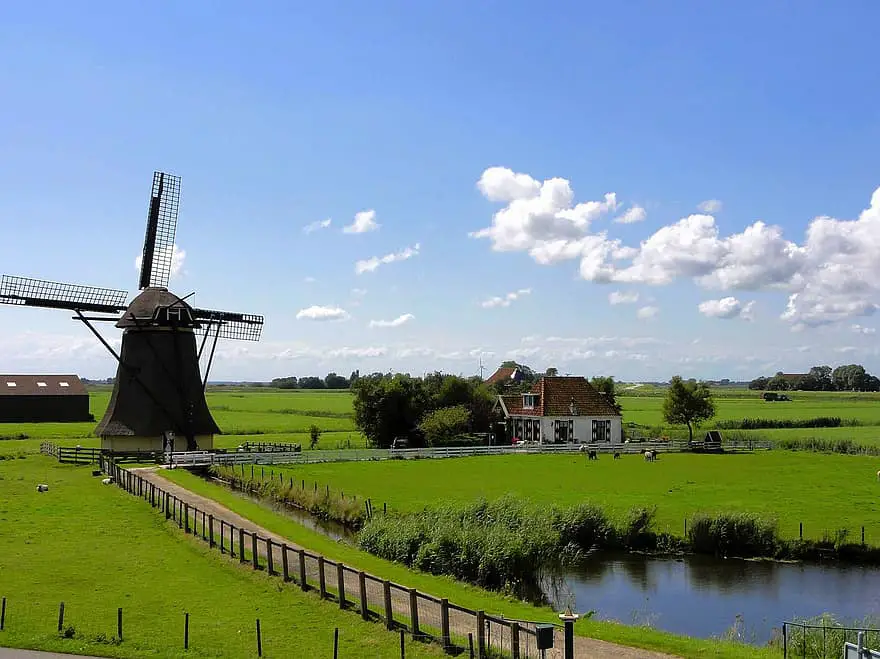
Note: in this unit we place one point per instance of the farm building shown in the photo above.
(35, 398)
(558, 410)
(505, 375)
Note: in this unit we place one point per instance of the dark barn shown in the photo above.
(35, 398)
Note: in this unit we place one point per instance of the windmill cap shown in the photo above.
(146, 309)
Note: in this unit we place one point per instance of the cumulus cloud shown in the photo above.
(506, 300)
(623, 297)
(647, 312)
(364, 221)
(178, 257)
(832, 276)
(710, 206)
(371, 264)
(726, 307)
(397, 322)
(317, 312)
(632, 215)
(316, 226)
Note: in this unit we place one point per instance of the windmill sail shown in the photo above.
(24, 291)
(156, 261)
(241, 326)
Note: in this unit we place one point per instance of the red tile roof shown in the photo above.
(503, 373)
(555, 395)
(41, 385)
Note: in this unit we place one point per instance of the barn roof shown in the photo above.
(555, 396)
(503, 373)
(42, 385)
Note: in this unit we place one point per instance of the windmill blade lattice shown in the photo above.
(156, 261)
(241, 326)
(24, 291)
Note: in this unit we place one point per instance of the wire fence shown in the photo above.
(801, 640)
(421, 615)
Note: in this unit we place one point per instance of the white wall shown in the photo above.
(583, 427)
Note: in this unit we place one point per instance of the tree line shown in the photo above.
(329, 381)
(849, 377)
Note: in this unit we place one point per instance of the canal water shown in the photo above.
(698, 596)
(705, 597)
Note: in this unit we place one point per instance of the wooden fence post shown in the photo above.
(241, 545)
(285, 570)
(254, 553)
(119, 623)
(362, 584)
(61, 617)
(211, 531)
(481, 634)
(389, 612)
(514, 640)
(444, 624)
(186, 518)
(222, 535)
(414, 611)
(340, 584)
(322, 584)
(302, 570)
(270, 559)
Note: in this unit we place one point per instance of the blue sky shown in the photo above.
(473, 131)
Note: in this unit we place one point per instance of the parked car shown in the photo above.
(400, 442)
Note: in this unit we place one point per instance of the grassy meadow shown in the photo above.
(97, 548)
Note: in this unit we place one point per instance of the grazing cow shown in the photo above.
(592, 455)
(650, 456)
(617, 455)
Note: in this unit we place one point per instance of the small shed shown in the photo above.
(36, 398)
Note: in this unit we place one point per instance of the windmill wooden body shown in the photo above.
(158, 400)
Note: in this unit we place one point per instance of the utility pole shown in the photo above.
(481, 367)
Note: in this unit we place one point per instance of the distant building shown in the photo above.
(560, 410)
(505, 375)
(37, 398)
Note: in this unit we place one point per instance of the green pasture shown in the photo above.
(826, 492)
(96, 548)
(458, 592)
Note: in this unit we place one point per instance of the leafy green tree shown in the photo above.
(688, 402)
(333, 381)
(759, 383)
(606, 385)
(388, 406)
(442, 426)
(314, 435)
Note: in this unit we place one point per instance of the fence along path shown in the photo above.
(423, 615)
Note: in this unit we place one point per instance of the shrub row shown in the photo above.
(827, 445)
(766, 424)
(320, 502)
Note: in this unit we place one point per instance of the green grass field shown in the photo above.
(825, 492)
(97, 548)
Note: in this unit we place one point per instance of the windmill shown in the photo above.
(158, 400)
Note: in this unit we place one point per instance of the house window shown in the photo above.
(529, 401)
(10, 384)
(41, 384)
(563, 431)
(63, 384)
(601, 431)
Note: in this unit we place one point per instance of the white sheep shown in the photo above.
(107, 481)
(42, 487)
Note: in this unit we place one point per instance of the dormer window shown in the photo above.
(530, 401)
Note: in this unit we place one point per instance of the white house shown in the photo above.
(559, 410)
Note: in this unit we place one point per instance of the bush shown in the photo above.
(733, 534)
(827, 445)
(766, 424)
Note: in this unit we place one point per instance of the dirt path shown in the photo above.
(461, 624)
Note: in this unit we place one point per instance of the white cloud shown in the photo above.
(397, 322)
(632, 215)
(310, 280)
(364, 221)
(860, 329)
(506, 300)
(358, 292)
(372, 263)
(832, 276)
(726, 307)
(317, 312)
(317, 225)
(538, 216)
(623, 297)
(178, 258)
(645, 313)
(710, 206)
(846, 349)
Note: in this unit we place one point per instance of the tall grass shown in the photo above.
(766, 424)
(827, 445)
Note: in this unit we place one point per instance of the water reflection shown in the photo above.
(702, 596)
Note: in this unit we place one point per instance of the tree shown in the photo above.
(821, 375)
(759, 383)
(311, 382)
(851, 377)
(551, 372)
(355, 374)
(333, 381)
(314, 435)
(442, 426)
(606, 385)
(388, 406)
(689, 403)
(285, 383)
